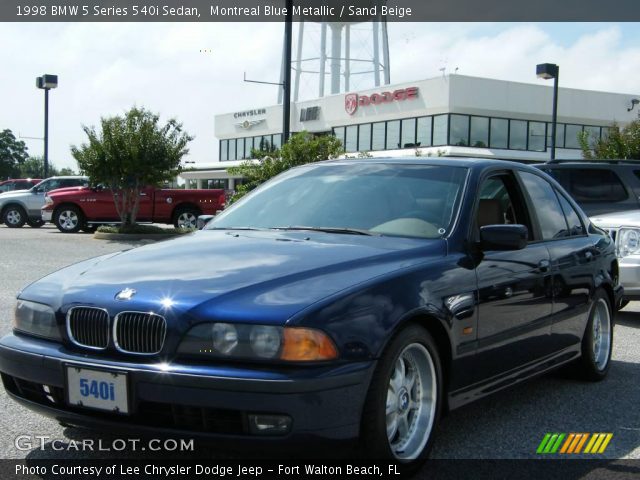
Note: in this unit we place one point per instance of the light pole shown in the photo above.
(547, 71)
(46, 82)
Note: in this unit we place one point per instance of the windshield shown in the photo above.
(377, 199)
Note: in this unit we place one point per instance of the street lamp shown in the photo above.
(547, 71)
(46, 82)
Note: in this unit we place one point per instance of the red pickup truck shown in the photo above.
(84, 208)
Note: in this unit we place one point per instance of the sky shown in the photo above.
(193, 71)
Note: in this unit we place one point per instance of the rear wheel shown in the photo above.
(404, 400)
(68, 219)
(14, 216)
(185, 218)
(597, 341)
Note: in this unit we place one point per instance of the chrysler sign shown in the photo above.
(352, 100)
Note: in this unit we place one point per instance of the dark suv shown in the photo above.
(599, 186)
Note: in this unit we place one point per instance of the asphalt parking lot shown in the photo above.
(510, 424)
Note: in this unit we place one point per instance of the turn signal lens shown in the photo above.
(307, 345)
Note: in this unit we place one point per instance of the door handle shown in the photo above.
(544, 265)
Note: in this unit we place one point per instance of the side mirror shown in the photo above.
(503, 237)
(203, 220)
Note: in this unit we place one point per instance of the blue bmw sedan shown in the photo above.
(340, 300)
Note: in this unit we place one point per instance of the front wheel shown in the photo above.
(186, 218)
(14, 216)
(68, 219)
(597, 341)
(404, 400)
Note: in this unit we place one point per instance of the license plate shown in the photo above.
(99, 389)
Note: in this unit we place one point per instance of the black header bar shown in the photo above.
(319, 10)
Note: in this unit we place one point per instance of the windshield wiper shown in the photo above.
(340, 230)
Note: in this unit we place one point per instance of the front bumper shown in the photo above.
(629, 268)
(214, 401)
(46, 215)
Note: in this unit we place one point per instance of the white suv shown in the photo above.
(23, 206)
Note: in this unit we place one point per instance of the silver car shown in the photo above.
(624, 227)
(23, 206)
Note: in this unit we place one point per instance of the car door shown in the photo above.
(145, 204)
(514, 318)
(572, 254)
(35, 200)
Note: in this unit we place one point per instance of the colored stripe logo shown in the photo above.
(562, 443)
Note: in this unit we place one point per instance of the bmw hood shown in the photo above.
(239, 276)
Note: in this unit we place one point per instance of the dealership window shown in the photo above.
(277, 140)
(232, 149)
(224, 154)
(593, 135)
(215, 183)
(408, 139)
(559, 135)
(440, 126)
(517, 135)
(338, 132)
(351, 139)
(571, 136)
(364, 138)
(393, 135)
(465, 130)
(459, 130)
(378, 136)
(499, 133)
(423, 138)
(479, 132)
(537, 135)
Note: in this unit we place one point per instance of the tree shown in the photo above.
(618, 143)
(129, 153)
(13, 152)
(302, 148)
(33, 167)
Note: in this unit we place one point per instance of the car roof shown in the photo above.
(589, 163)
(443, 161)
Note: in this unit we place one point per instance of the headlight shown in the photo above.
(238, 341)
(36, 319)
(225, 338)
(627, 241)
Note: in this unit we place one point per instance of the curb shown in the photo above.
(134, 236)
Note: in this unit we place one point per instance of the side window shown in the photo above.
(500, 202)
(596, 185)
(573, 219)
(546, 205)
(51, 185)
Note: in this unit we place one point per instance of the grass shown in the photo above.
(144, 229)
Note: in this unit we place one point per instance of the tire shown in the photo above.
(14, 216)
(68, 219)
(597, 341)
(185, 218)
(35, 223)
(403, 432)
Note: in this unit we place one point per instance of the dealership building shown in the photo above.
(452, 115)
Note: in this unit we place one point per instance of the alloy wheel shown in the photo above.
(411, 402)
